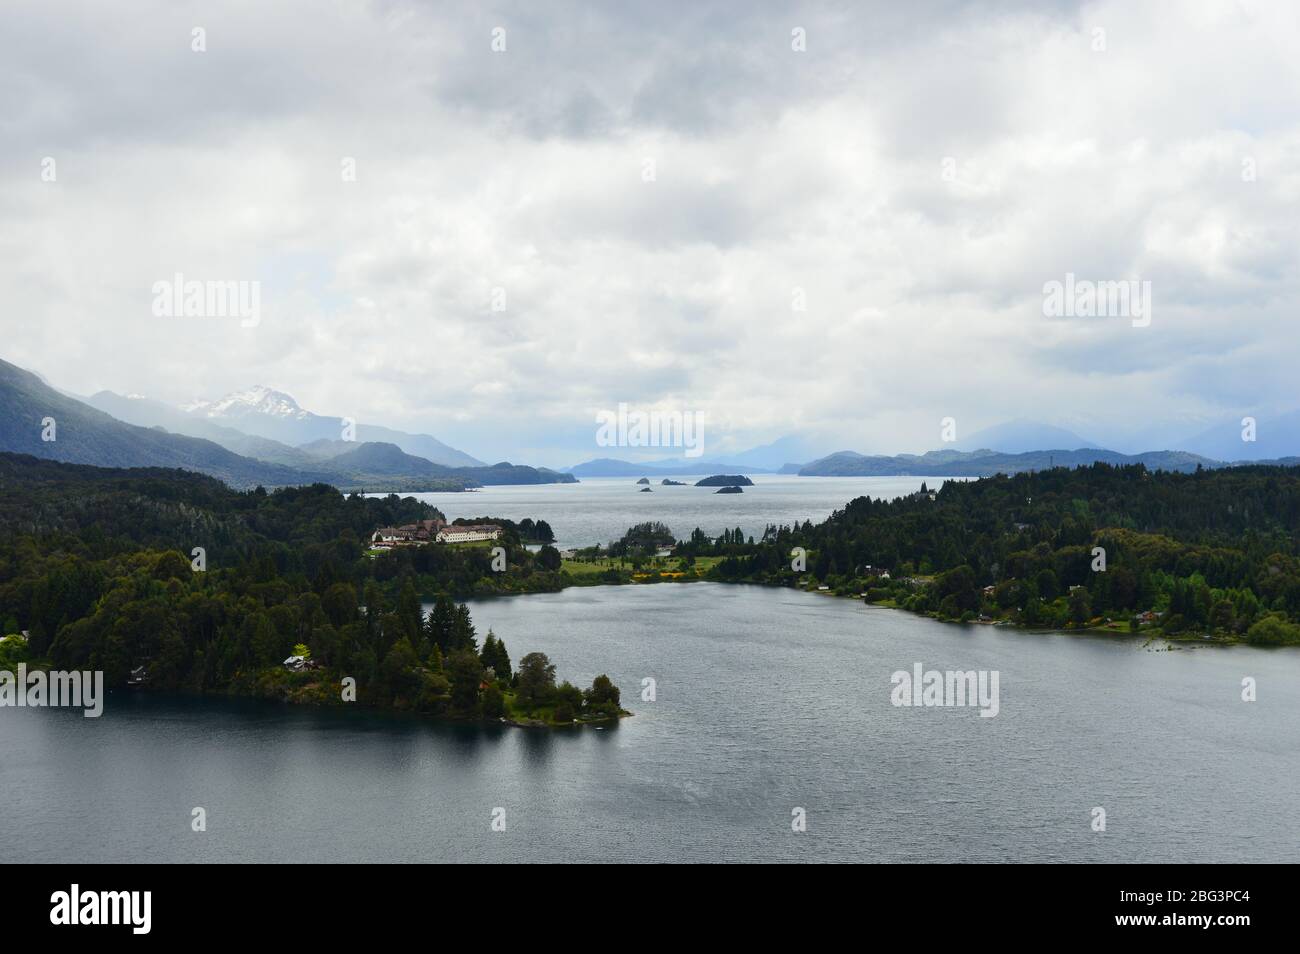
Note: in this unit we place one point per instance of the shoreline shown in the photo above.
(1181, 640)
(308, 703)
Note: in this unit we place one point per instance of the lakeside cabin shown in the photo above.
(434, 531)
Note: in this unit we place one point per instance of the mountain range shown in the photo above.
(1021, 436)
(768, 458)
(985, 462)
(247, 419)
(39, 420)
(263, 437)
(1010, 447)
(1274, 437)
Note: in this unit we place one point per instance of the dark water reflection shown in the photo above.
(767, 700)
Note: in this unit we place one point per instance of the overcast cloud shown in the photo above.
(775, 170)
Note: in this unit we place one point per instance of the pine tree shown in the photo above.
(495, 657)
(463, 630)
(502, 665)
(441, 622)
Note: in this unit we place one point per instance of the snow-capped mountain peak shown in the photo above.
(255, 400)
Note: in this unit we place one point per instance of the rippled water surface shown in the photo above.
(767, 700)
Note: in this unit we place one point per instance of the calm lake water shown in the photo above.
(600, 509)
(767, 700)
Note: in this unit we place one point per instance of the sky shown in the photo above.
(491, 222)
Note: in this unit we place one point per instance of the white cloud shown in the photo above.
(774, 171)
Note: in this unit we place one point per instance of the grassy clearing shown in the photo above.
(663, 567)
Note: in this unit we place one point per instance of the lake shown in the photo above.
(767, 700)
(600, 509)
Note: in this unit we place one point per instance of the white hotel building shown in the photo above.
(434, 531)
(468, 533)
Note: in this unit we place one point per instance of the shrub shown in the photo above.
(1272, 631)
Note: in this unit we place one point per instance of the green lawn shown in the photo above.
(666, 565)
(584, 568)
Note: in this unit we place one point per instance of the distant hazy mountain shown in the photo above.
(611, 467)
(324, 448)
(264, 412)
(1020, 436)
(86, 435)
(376, 466)
(768, 458)
(379, 459)
(506, 473)
(386, 459)
(367, 462)
(985, 462)
(789, 454)
(1274, 438)
(146, 412)
(791, 449)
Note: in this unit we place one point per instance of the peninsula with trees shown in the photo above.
(1210, 556)
(170, 580)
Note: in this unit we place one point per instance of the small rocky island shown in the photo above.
(730, 490)
(725, 480)
(644, 480)
(646, 490)
(671, 483)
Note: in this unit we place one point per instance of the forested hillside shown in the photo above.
(1208, 552)
(100, 567)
